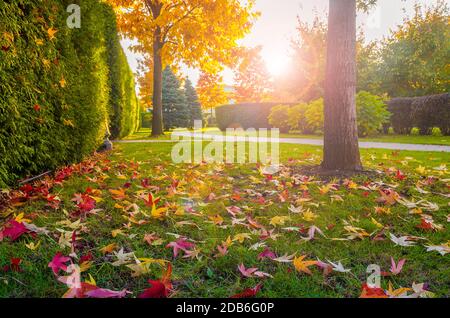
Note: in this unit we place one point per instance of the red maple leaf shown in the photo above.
(369, 292)
(13, 230)
(249, 292)
(160, 288)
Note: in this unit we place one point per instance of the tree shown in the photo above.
(252, 78)
(192, 102)
(415, 57)
(199, 33)
(175, 108)
(211, 91)
(341, 151)
(305, 80)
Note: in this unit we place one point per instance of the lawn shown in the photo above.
(144, 134)
(217, 217)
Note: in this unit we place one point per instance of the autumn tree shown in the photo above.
(211, 91)
(252, 79)
(198, 33)
(304, 81)
(341, 149)
(415, 57)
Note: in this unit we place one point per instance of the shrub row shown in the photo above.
(309, 118)
(55, 84)
(425, 113)
(306, 118)
(249, 115)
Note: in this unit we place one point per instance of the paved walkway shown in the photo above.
(298, 141)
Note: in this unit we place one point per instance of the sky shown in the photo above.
(277, 25)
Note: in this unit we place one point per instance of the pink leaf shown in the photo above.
(58, 262)
(180, 244)
(106, 293)
(14, 230)
(397, 268)
(266, 254)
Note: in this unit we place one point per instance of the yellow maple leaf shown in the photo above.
(421, 170)
(216, 219)
(69, 123)
(397, 292)
(159, 213)
(228, 242)
(378, 224)
(33, 246)
(241, 237)
(118, 194)
(46, 63)
(20, 218)
(108, 248)
(91, 280)
(85, 266)
(51, 33)
(279, 220)
(114, 233)
(303, 266)
(309, 216)
(62, 82)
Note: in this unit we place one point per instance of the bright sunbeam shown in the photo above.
(276, 64)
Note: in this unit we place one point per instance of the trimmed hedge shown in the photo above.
(54, 87)
(424, 112)
(124, 106)
(432, 111)
(400, 109)
(249, 115)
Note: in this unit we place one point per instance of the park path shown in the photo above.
(297, 141)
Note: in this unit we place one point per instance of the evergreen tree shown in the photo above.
(175, 109)
(192, 102)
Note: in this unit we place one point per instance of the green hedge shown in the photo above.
(250, 115)
(124, 106)
(428, 112)
(54, 93)
(424, 112)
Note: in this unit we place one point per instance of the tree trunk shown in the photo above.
(157, 122)
(341, 150)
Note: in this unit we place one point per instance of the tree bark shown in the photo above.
(157, 121)
(341, 150)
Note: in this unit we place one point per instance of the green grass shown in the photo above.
(402, 139)
(145, 134)
(212, 276)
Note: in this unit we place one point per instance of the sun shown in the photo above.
(276, 63)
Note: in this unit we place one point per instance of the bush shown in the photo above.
(431, 111)
(314, 116)
(146, 120)
(400, 109)
(297, 118)
(54, 87)
(251, 115)
(372, 113)
(423, 112)
(278, 118)
(390, 131)
(436, 131)
(415, 131)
